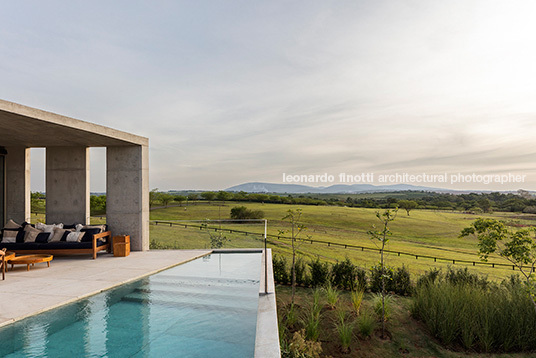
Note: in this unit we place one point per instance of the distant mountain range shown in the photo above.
(333, 189)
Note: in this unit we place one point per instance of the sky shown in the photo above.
(231, 91)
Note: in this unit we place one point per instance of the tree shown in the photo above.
(407, 205)
(296, 228)
(223, 196)
(97, 204)
(208, 195)
(165, 198)
(382, 235)
(179, 199)
(153, 196)
(518, 247)
(35, 201)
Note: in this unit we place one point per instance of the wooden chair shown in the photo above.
(3, 263)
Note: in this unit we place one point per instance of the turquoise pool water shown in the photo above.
(203, 308)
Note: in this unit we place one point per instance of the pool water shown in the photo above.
(203, 308)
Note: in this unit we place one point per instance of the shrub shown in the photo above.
(464, 277)
(299, 347)
(344, 274)
(319, 273)
(301, 272)
(401, 283)
(281, 274)
(376, 278)
(241, 213)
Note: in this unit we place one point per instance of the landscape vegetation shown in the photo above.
(435, 305)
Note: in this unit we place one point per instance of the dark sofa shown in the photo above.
(93, 241)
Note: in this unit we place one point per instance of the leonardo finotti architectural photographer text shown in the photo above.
(423, 178)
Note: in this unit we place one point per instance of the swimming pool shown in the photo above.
(203, 308)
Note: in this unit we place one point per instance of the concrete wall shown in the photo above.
(18, 184)
(67, 185)
(127, 194)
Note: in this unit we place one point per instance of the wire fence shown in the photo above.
(188, 224)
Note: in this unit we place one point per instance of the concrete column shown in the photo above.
(127, 194)
(67, 183)
(18, 184)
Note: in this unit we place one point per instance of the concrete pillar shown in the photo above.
(67, 185)
(127, 194)
(18, 184)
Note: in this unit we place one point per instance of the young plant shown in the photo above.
(296, 228)
(382, 235)
(345, 332)
(366, 324)
(317, 305)
(357, 299)
(332, 296)
(382, 306)
(312, 326)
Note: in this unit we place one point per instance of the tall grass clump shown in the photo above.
(378, 306)
(345, 331)
(332, 296)
(366, 323)
(461, 309)
(357, 299)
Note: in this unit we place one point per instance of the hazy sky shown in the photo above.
(237, 91)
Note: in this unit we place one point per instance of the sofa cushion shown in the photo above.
(42, 238)
(69, 245)
(88, 234)
(30, 233)
(9, 235)
(58, 234)
(12, 225)
(74, 236)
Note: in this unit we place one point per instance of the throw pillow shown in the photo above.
(9, 236)
(30, 233)
(58, 234)
(12, 225)
(74, 236)
(88, 234)
(42, 238)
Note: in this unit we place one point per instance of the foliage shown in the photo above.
(97, 204)
(312, 326)
(345, 332)
(279, 264)
(401, 282)
(319, 272)
(488, 318)
(366, 323)
(332, 296)
(343, 274)
(382, 306)
(242, 213)
(217, 239)
(299, 347)
(518, 247)
(357, 299)
(407, 205)
(301, 272)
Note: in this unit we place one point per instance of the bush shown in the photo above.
(301, 272)
(281, 273)
(462, 310)
(401, 281)
(376, 278)
(344, 275)
(241, 213)
(319, 273)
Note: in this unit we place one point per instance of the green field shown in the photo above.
(425, 232)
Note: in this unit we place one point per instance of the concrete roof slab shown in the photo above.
(30, 127)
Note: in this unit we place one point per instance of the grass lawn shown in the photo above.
(424, 232)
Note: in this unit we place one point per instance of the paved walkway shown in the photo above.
(69, 278)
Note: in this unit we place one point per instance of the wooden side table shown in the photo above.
(121, 244)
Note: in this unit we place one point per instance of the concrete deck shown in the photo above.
(69, 278)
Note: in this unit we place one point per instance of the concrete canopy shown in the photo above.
(67, 141)
(29, 127)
